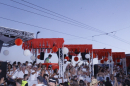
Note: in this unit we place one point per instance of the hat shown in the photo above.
(52, 80)
(29, 64)
(40, 78)
(94, 81)
(65, 60)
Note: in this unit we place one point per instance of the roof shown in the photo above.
(8, 36)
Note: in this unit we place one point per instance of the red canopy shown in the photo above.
(43, 43)
(102, 52)
(79, 48)
(118, 55)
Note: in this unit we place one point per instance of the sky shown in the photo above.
(93, 20)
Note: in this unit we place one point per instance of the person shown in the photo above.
(108, 83)
(40, 81)
(12, 76)
(45, 79)
(22, 72)
(52, 82)
(2, 81)
(75, 81)
(94, 82)
(55, 74)
(47, 59)
(33, 75)
(24, 81)
(18, 82)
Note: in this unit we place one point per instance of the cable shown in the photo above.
(63, 17)
(68, 19)
(90, 28)
(55, 31)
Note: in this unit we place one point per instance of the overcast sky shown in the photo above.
(98, 17)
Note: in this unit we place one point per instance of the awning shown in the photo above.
(43, 44)
(102, 52)
(81, 48)
(118, 55)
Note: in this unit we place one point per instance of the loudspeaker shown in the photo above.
(3, 67)
(95, 70)
(42, 56)
(83, 56)
(70, 56)
(1, 44)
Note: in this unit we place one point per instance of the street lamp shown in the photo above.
(36, 48)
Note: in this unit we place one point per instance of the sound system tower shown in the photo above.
(42, 56)
(3, 67)
(95, 70)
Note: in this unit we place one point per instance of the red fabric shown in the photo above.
(102, 53)
(80, 48)
(41, 43)
(118, 55)
(54, 65)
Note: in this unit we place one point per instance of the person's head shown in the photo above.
(18, 82)
(29, 65)
(23, 68)
(81, 83)
(19, 63)
(75, 78)
(9, 66)
(94, 82)
(49, 56)
(45, 76)
(25, 77)
(26, 63)
(40, 79)
(92, 77)
(52, 82)
(14, 63)
(43, 71)
(61, 84)
(14, 67)
(49, 67)
(65, 60)
(56, 71)
(107, 79)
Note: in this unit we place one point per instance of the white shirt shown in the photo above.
(21, 74)
(33, 77)
(14, 74)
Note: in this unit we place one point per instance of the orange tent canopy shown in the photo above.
(118, 55)
(43, 43)
(102, 52)
(79, 48)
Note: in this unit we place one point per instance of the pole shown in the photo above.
(125, 66)
(92, 65)
(63, 65)
(36, 49)
(59, 64)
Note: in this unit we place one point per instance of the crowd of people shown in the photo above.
(32, 74)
